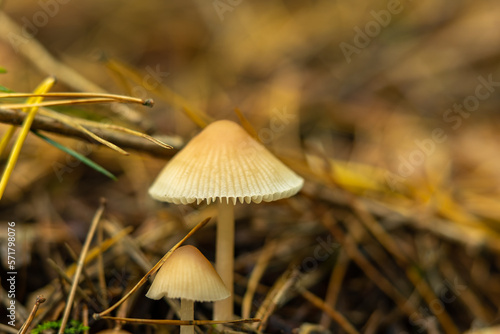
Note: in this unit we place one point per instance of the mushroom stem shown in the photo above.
(224, 258)
(187, 313)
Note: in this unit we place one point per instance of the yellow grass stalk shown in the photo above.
(14, 155)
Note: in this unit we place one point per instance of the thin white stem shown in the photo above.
(187, 313)
(224, 258)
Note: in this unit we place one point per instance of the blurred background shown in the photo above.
(388, 109)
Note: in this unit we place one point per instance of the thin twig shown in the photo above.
(27, 324)
(81, 262)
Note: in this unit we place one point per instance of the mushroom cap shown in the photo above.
(224, 162)
(187, 274)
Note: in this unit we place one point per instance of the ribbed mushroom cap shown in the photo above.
(188, 274)
(224, 162)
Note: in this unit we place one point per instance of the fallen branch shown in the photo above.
(44, 123)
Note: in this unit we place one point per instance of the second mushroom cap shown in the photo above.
(187, 274)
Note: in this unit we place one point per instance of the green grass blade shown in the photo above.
(77, 155)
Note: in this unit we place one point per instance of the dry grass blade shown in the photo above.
(16, 150)
(124, 130)
(338, 317)
(81, 263)
(334, 285)
(411, 271)
(285, 282)
(44, 121)
(114, 97)
(72, 122)
(76, 123)
(57, 103)
(261, 265)
(133, 250)
(100, 271)
(153, 270)
(370, 270)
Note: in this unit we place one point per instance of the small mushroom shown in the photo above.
(188, 275)
(224, 163)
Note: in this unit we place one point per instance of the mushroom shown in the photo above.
(188, 275)
(224, 163)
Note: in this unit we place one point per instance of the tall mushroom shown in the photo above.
(188, 275)
(223, 162)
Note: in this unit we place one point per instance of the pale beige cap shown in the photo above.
(187, 274)
(224, 162)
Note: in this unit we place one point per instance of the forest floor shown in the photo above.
(387, 109)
